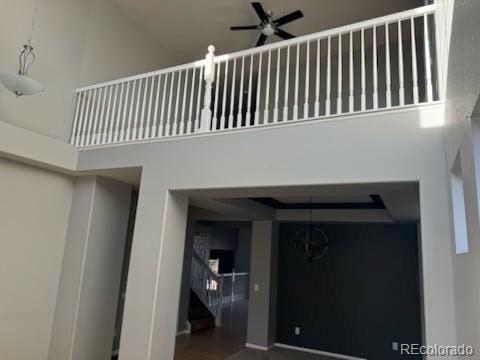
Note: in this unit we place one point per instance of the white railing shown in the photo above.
(208, 286)
(383, 63)
(235, 286)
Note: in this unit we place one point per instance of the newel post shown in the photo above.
(209, 77)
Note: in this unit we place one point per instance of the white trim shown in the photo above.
(257, 347)
(317, 352)
(186, 331)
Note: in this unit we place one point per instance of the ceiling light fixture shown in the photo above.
(20, 83)
(310, 241)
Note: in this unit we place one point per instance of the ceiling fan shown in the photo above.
(268, 25)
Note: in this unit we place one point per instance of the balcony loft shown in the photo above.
(382, 64)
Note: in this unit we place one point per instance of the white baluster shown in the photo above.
(84, 117)
(184, 100)
(154, 132)
(190, 108)
(259, 86)
(97, 113)
(351, 102)
(267, 88)
(297, 85)
(401, 82)
(215, 105)
(142, 116)
(240, 95)
(232, 95)
(177, 104)
(169, 111)
(101, 130)
(149, 111)
(428, 60)
(224, 97)
(107, 114)
(317, 83)
(329, 76)
(414, 61)
(307, 82)
(375, 69)
(249, 101)
(90, 118)
(364, 81)
(123, 130)
(340, 79)
(287, 80)
(103, 120)
(75, 120)
(388, 70)
(197, 124)
(112, 115)
(82, 123)
(117, 122)
(130, 131)
(277, 88)
(137, 107)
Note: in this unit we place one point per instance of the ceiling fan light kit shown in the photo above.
(269, 26)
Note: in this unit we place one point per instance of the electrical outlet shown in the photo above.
(395, 346)
(297, 330)
(256, 287)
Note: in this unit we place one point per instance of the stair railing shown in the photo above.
(208, 286)
(378, 64)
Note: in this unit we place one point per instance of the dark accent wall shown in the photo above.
(358, 299)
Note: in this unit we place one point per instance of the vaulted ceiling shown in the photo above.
(187, 27)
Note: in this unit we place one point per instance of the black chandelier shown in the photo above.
(310, 241)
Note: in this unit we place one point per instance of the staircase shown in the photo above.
(199, 317)
(206, 294)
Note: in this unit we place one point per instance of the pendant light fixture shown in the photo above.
(20, 83)
(310, 241)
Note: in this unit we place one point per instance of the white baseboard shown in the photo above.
(257, 347)
(186, 331)
(317, 352)
(183, 332)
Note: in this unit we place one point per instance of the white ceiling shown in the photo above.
(187, 27)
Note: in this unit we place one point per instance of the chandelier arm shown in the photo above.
(29, 63)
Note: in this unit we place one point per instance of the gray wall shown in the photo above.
(383, 147)
(90, 280)
(262, 303)
(462, 116)
(360, 297)
(77, 42)
(34, 210)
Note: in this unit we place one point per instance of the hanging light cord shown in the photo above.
(27, 57)
(35, 12)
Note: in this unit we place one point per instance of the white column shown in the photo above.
(155, 272)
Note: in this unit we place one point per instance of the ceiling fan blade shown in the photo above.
(261, 40)
(252, 27)
(260, 11)
(283, 34)
(289, 17)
